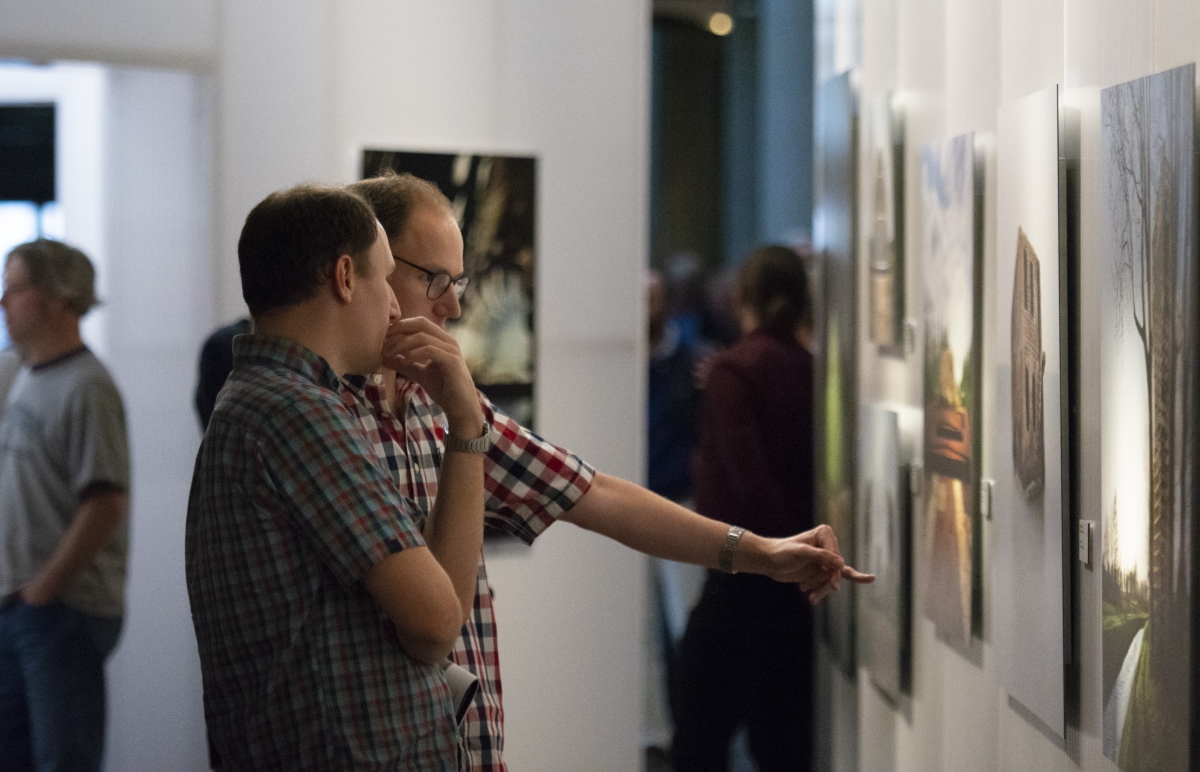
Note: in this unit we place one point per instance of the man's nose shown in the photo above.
(449, 305)
(393, 307)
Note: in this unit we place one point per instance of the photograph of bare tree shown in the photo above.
(950, 275)
(1148, 417)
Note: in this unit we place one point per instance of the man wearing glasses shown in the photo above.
(529, 483)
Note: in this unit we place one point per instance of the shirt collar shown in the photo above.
(368, 389)
(273, 351)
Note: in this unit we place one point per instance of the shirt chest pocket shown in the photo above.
(22, 432)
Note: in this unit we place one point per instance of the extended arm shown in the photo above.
(649, 523)
(102, 510)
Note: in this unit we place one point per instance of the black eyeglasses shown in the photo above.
(440, 281)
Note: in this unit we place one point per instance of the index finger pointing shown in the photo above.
(856, 576)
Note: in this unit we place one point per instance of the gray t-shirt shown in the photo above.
(10, 365)
(62, 431)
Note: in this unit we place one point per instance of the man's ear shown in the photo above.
(343, 278)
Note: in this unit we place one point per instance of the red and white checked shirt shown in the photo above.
(529, 483)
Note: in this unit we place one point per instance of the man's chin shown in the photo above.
(366, 366)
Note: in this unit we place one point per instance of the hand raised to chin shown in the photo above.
(421, 351)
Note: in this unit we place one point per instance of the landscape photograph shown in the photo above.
(1148, 436)
(951, 390)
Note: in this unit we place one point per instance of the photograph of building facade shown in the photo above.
(1028, 369)
(1030, 510)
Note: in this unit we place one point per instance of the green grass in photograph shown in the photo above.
(1119, 631)
(1150, 741)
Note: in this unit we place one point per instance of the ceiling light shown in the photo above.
(720, 24)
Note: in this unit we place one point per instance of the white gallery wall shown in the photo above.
(270, 93)
(952, 65)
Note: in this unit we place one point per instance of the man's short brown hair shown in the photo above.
(394, 197)
(292, 239)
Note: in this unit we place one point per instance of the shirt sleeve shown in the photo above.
(325, 467)
(529, 482)
(97, 445)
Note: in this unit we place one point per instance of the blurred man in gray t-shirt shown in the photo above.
(64, 482)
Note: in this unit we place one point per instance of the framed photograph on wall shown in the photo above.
(1029, 435)
(884, 156)
(951, 192)
(884, 549)
(494, 200)
(837, 395)
(1148, 320)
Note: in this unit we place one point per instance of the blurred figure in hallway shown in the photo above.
(64, 482)
(673, 400)
(216, 362)
(748, 654)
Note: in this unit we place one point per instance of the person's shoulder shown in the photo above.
(257, 395)
(225, 335)
(89, 375)
(760, 352)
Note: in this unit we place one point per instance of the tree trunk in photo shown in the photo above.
(1162, 443)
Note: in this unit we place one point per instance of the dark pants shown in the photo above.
(747, 659)
(52, 687)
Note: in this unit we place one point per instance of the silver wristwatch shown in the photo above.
(725, 560)
(478, 445)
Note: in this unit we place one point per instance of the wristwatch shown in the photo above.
(725, 560)
(478, 445)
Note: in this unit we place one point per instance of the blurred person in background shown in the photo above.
(216, 362)
(673, 400)
(747, 657)
(530, 483)
(64, 482)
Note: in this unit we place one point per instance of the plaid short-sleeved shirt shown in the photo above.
(529, 484)
(288, 512)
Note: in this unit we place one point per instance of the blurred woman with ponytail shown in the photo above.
(747, 657)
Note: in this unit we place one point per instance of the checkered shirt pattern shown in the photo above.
(289, 510)
(529, 484)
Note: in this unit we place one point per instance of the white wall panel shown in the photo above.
(181, 33)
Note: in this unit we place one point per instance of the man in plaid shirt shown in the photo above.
(324, 602)
(530, 483)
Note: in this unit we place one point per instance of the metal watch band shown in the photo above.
(730, 547)
(478, 445)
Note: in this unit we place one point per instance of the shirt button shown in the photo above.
(377, 378)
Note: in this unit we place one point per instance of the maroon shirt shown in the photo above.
(755, 466)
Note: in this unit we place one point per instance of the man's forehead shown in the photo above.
(14, 266)
(432, 238)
